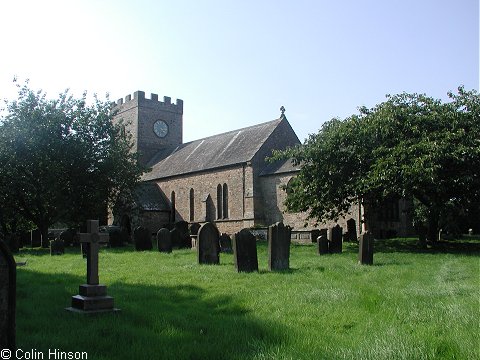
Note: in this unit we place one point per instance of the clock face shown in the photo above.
(160, 128)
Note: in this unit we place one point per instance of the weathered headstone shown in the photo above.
(142, 238)
(351, 230)
(208, 246)
(164, 240)
(322, 242)
(245, 251)
(279, 247)
(176, 238)
(225, 244)
(116, 239)
(365, 249)
(8, 276)
(314, 234)
(335, 237)
(184, 240)
(194, 227)
(93, 296)
(57, 247)
(68, 237)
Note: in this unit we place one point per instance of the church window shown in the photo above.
(219, 201)
(192, 205)
(225, 201)
(172, 200)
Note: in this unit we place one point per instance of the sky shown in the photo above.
(235, 63)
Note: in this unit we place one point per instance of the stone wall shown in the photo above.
(205, 197)
(140, 113)
(274, 197)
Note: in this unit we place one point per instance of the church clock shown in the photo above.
(160, 128)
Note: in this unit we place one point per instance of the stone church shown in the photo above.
(224, 178)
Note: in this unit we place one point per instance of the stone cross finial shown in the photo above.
(282, 109)
(93, 238)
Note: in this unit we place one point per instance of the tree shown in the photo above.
(411, 145)
(62, 159)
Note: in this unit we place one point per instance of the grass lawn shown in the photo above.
(408, 305)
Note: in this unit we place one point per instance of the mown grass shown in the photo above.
(408, 305)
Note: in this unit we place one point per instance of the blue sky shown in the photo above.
(234, 63)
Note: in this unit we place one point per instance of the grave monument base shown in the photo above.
(92, 299)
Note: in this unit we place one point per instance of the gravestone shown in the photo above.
(115, 238)
(176, 238)
(335, 237)
(314, 234)
(184, 240)
(208, 246)
(57, 247)
(93, 296)
(67, 236)
(279, 247)
(164, 240)
(194, 227)
(322, 242)
(245, 251)
(225, 244)
(142, 238)
(351, 230)
(8, 281)
(365, 249)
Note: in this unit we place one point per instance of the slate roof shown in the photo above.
(150, 197)
(280, 167)
(230, 148)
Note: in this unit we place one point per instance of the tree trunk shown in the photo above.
(44, 231)
(433, 219)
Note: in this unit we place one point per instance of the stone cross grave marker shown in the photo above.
(365, 249)
(245, 251)
(8, 276)
(93, 296)
(322, 242)
(208, 245)
(93, 239)
(279, 238)
(164, 240)
(335, 237)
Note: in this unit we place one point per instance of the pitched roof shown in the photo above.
(149, 197)
(280, 167)
(230, 148)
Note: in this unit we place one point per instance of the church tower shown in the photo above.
(153, 124)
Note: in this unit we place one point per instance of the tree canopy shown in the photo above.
(410, 145)
(62, 160)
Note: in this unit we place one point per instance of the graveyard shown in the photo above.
(180, 304)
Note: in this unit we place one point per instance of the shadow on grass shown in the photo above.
(410, 245)
(162, 322)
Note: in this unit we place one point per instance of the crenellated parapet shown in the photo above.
(140, 99)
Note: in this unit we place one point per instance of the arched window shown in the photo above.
(225, 201)
(172, 201)
(192, 205)
(219, 201)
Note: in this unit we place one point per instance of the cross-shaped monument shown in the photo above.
(93, 297)
(93, 238)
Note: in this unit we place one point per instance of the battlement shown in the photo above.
(139, 97)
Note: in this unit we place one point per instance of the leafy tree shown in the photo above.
(62, 159)
(411, 145)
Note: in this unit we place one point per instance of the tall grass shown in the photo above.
(408, 305)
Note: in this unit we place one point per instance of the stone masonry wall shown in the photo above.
(205, 201)
(274, 197)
